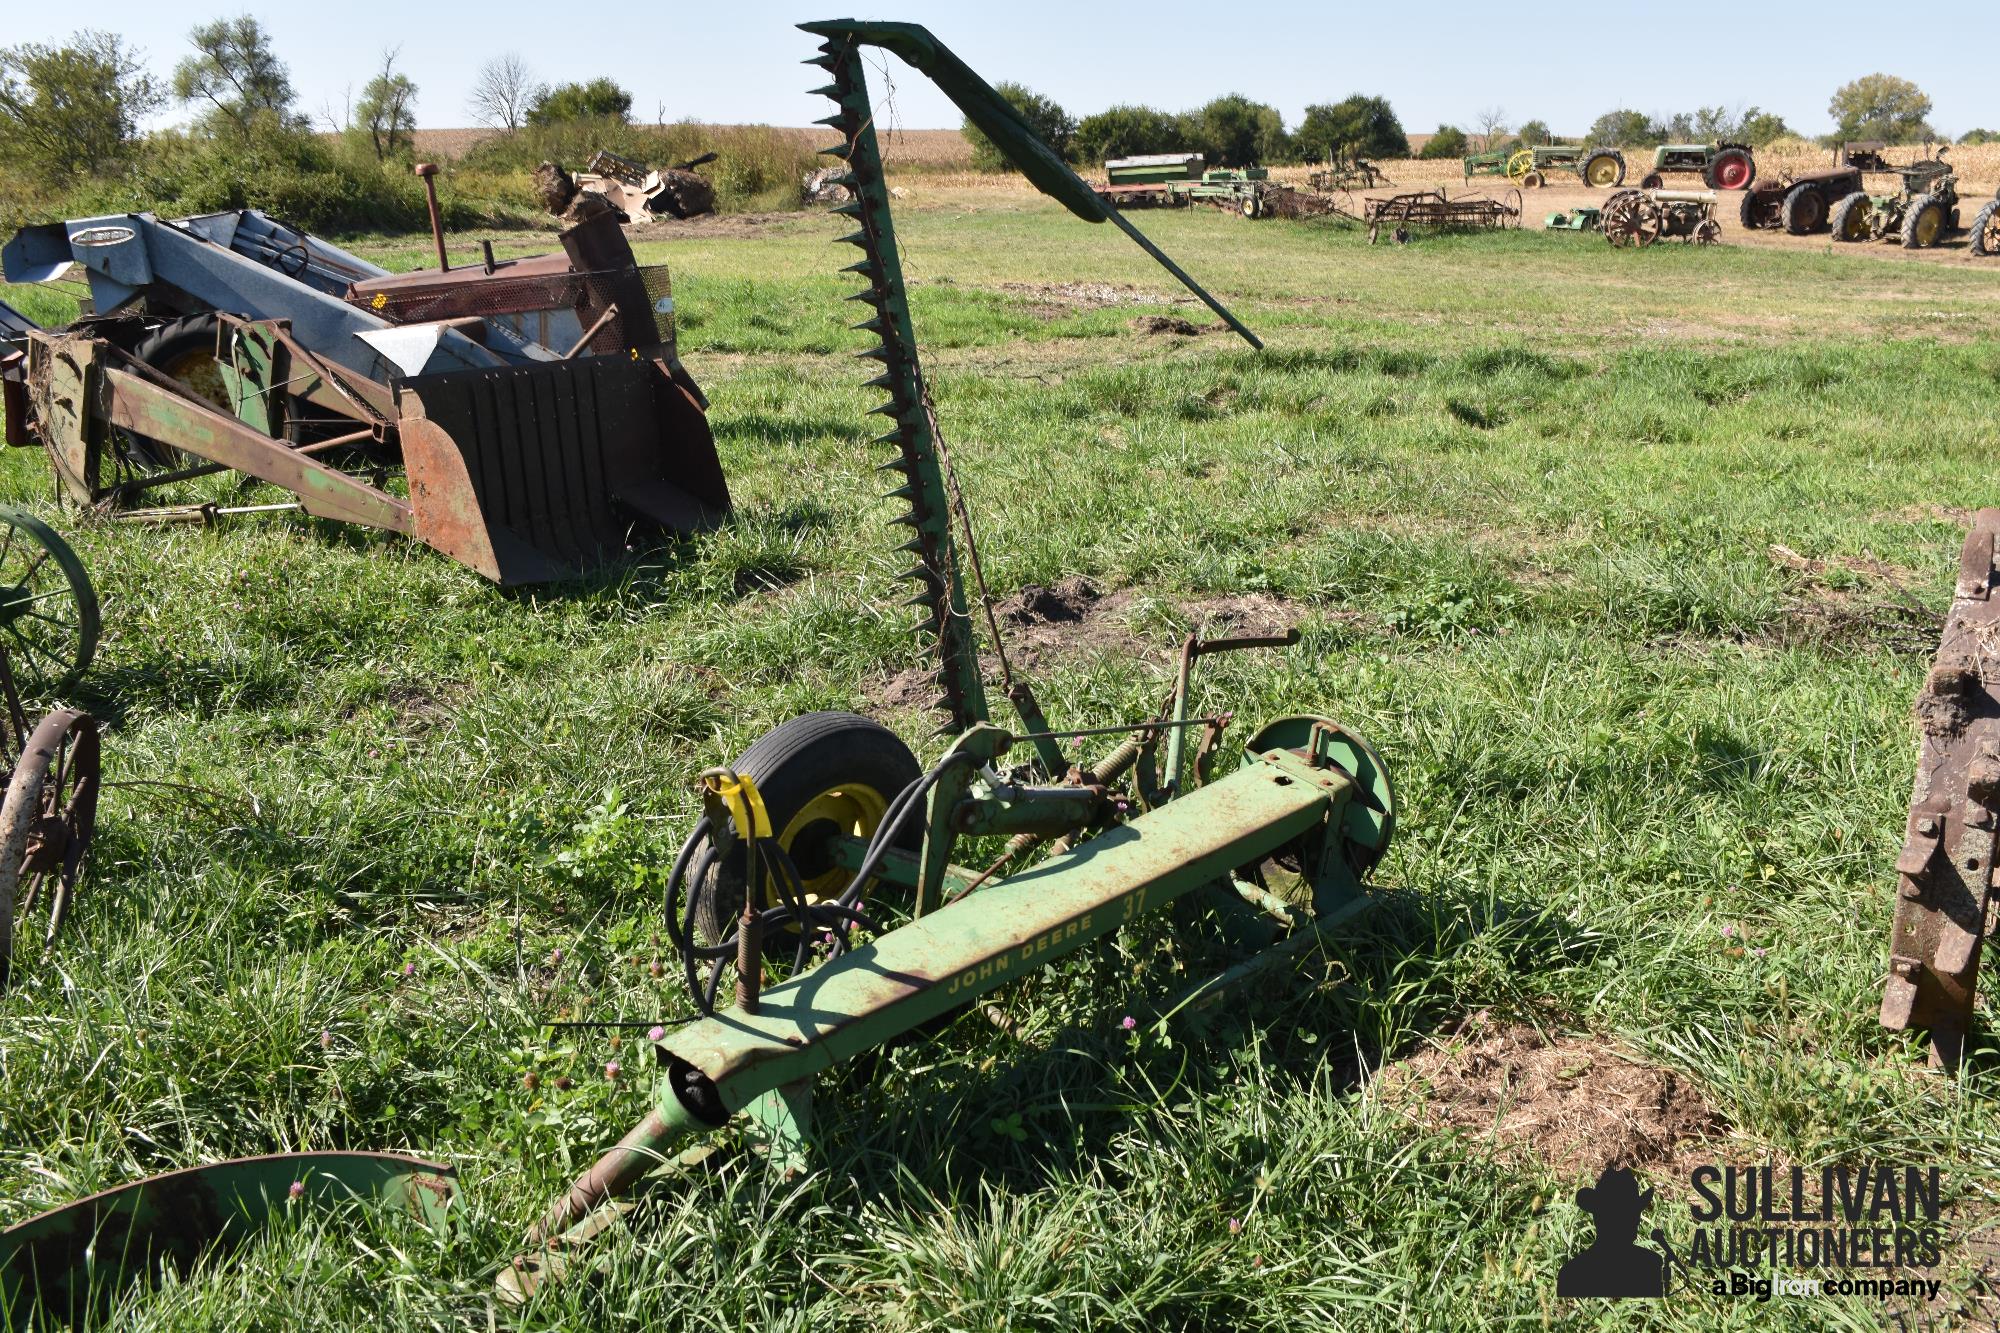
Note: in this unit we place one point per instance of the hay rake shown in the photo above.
(826, 877)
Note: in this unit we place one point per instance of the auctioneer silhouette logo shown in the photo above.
(1615, 1264)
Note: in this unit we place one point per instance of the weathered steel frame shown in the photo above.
(1945, 900)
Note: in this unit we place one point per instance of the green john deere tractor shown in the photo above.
(1917, 216)
(1721, 166)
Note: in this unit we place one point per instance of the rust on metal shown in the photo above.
(1945, 904)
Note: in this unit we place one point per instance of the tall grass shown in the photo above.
(757, 167)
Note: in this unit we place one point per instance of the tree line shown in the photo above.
(72, 142)
(1237, 131)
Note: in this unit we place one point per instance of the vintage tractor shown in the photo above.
(1800, 204)
(1635, 219)
(1345, 171)
(1603, 168)
(1917, 216)
(821, 907)
(536, 406)
(1721, 166)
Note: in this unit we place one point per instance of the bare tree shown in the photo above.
(1492, 123)
(502, 92)
(388, 108)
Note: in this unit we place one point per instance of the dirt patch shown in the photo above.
(1185, 328)
(709, 225)
(1068, 296)
(1076, 617)
(1574, 1103)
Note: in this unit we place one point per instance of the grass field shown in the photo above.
(1525, 496)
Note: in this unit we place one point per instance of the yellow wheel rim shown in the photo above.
(202, 373)
(1520, 164)
(1602, 172)
(1928, 226)
(1856, 228)
(855, 809)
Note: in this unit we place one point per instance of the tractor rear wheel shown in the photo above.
(1850, 218)
(1746, 211)
(1924, 223)
(1520, 164)
(1731, 169)
(1603, 169)
(1804, 210)
(822, 775)
(1532, 181)
(1986, 231)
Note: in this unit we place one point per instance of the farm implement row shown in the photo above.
(1434, 210)
(536, 406)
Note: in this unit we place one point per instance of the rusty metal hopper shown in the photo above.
(534, 473)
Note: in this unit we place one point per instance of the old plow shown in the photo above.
(1945, 902)
(838, 896)
(536, 407)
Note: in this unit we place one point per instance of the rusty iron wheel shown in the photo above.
(47, 821)
(48, 609)
(1635, 223)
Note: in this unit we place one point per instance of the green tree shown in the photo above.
(1624, 129)
(1971, 137)
(1757, 127)
(1051, 124)
(387, 110)
(1449, 141)
(1125, 131)
(1233, 131)
(1535, 133)
(1358, 125)
(67, 110)
(237, 73)
(1881, 106)
(600, 98)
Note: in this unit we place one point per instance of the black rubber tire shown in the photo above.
(1583, 168)
(1746, 215)
(1712, 175)
(1843, 214)
(1804, 210)
(797, 761)
(163, 349)
(1920, 207)
(1986, 231)
(1652, 180)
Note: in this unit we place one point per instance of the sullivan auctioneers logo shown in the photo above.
(1754, 1222)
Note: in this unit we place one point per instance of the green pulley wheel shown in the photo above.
(48, 610)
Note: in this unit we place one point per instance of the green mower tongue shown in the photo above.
(998, 120)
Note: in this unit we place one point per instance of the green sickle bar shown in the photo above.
(999, 121)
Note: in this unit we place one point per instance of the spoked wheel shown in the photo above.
(1519, 165)
(46, 823)
(1707, 232)
(1636, 224)
(48, 610)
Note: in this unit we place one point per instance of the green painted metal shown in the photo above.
(149, 410)
(67, 1264)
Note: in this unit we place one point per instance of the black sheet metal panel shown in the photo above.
(537, 473)
(1944, 877)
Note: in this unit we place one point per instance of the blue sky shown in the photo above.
(1443, 61)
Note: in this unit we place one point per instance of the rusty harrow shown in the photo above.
(1434, 210)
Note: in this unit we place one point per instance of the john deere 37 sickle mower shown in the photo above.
(825, 877)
